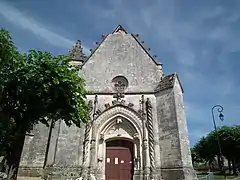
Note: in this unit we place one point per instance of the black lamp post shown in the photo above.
(221, 117)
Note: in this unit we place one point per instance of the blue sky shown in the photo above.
(198, 39)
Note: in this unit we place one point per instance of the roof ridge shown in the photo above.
(168, 82)
(119, 28)
(154, 60)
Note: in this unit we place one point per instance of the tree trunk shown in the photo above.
(229, 165)
(219, 162)
(15, 152)
(235, 172)
(238, 164)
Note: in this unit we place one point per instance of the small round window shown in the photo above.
(120, 83)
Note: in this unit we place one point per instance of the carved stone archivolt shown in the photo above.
(122, 111)
(120, 127)
(114, 103)
(118, 122)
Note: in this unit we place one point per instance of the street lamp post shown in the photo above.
(221, 117)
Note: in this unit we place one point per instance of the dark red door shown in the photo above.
(119, 160)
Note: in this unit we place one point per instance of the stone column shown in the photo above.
(145, 157)
(137, 158)
(150, 137)
(93, 140)
(86, 146)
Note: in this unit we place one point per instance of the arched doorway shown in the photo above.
(119, 160)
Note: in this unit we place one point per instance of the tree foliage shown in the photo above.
(36, 87)
(229, 137)
(44, 88)
(196, 159)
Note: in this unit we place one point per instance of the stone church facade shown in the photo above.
(138, 128)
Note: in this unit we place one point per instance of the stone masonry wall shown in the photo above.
(182, 126)
(70, 146)
(120, 54)
(168, 132)
(189, 173)
(33, 155)
(173, 138)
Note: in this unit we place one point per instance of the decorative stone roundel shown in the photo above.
(120, 83)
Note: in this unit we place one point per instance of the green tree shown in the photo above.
(8, 52)
(196, 159)
(36, 87)
(10, 61)
(229, 138)
(205, 150)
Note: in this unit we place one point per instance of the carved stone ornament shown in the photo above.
(101, 137)
(130, 105)
(90, 105)
(123, 102)
(107, 105)
(115, 102)
(76, 54)
(120, 83)
(98, 112)
(118, 96)
(136, 136)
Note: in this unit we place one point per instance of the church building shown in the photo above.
(138, 125)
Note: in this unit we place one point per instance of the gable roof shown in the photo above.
(116, 30)
(168, 82)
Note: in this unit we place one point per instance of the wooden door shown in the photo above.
(119, 160)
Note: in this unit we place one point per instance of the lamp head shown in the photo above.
(221, 116)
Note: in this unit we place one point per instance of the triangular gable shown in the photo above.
(120, 28)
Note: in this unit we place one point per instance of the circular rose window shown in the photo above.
(120, 83)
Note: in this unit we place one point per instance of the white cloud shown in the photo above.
(23, 21)
(162, 18)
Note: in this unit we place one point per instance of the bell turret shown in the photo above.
(76, 54)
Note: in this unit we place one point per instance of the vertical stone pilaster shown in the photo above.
(93, 140)
(145, 157)
(86, 145)
(150, 138)
(173, 136)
